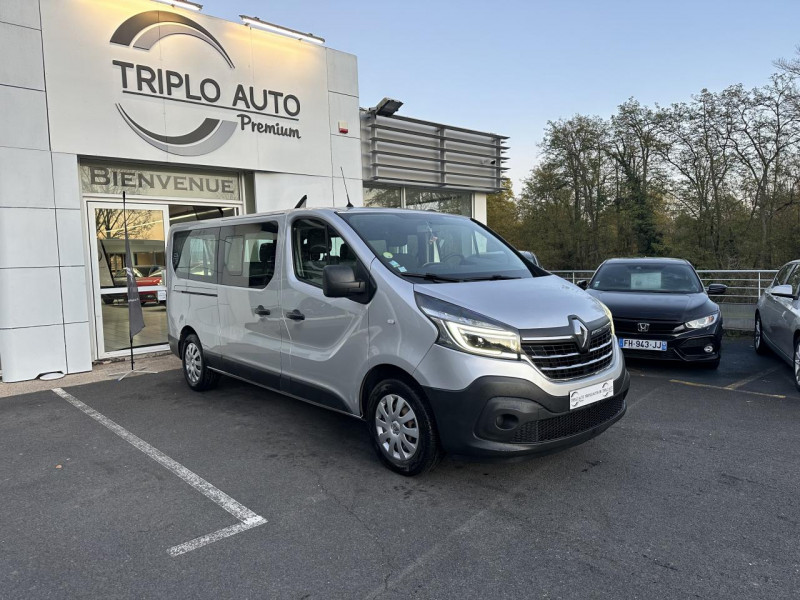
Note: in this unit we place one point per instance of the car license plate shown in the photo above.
(591, 394)
(643, 345)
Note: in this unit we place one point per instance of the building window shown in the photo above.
(383, 197)
(456, 203)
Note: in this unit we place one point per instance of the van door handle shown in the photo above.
(295, 315)
(260, 310)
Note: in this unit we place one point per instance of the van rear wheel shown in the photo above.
(195, 371)
(402, 428)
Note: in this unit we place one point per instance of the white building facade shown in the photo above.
(191, 117)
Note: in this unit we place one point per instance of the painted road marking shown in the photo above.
(205, 540)
(725, 389)
(747, 380)
(248, 519)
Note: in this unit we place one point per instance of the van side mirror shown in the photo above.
(782, 291)
(583, 284)
(340, 281)
(716, 289)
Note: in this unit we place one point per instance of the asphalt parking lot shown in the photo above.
(694, 493)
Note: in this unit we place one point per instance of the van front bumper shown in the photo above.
(497, 416)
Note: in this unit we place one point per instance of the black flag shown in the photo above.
(135, 317)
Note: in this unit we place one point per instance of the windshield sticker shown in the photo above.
(394, 263)
(402, 269)
(388, 255)
(646, 281)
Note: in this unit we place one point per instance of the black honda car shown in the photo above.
(661, 309)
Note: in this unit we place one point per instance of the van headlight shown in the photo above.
(702, 322)
(608, 314)
(464, 330)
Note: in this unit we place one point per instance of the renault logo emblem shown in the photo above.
(581, 334)
(643, 327)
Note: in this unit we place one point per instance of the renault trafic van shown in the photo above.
(427, 326)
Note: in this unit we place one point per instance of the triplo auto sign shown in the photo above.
(127, 81)
(143, 31)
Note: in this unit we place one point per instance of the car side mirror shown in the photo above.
(583, 284)
(782, 291)
(340, 281)
(716, 289)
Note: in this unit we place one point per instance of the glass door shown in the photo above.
(148, 225)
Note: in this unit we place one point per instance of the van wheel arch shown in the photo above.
(378, 374)
(185, 332)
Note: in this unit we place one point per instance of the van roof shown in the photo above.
(321, 209)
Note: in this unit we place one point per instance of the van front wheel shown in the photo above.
(402, 428)
(195, 371)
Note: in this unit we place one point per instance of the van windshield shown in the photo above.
(436, 247)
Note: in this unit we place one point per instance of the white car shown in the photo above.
(777, 325)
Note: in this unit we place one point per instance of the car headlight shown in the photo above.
(702, 322)
(608, 314)
(464, 330)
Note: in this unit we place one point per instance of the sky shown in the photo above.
(509, 67)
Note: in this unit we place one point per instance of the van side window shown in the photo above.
(194, 254)
(316, 245)
(249, 253)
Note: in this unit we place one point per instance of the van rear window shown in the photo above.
(194, 254)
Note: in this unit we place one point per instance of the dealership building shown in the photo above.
(192, 117)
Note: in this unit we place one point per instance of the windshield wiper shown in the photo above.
(492, 278)
(432, 277)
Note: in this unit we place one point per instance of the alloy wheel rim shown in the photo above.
(397, 428)
(193, 362)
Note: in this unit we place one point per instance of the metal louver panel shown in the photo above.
(405, 151)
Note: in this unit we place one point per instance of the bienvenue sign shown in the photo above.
(99, 178)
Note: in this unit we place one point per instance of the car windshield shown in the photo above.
(436, 247)
(676, 278)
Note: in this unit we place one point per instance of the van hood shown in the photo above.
(543, 302)
(657, 307)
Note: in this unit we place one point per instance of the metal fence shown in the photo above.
(738, 303)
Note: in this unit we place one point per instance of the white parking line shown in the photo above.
(205, 540)
(248, 519)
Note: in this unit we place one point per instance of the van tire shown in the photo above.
(395, 398)
(195, 370)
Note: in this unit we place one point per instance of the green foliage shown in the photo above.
(715, 180)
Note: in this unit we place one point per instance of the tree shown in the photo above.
(501, 214)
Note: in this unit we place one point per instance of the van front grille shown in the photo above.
(573, 423)
(561, 359)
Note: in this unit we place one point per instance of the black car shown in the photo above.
(661, 309)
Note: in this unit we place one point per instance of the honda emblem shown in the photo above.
(643, 327)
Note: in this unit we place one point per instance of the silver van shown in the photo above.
(427, 326)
